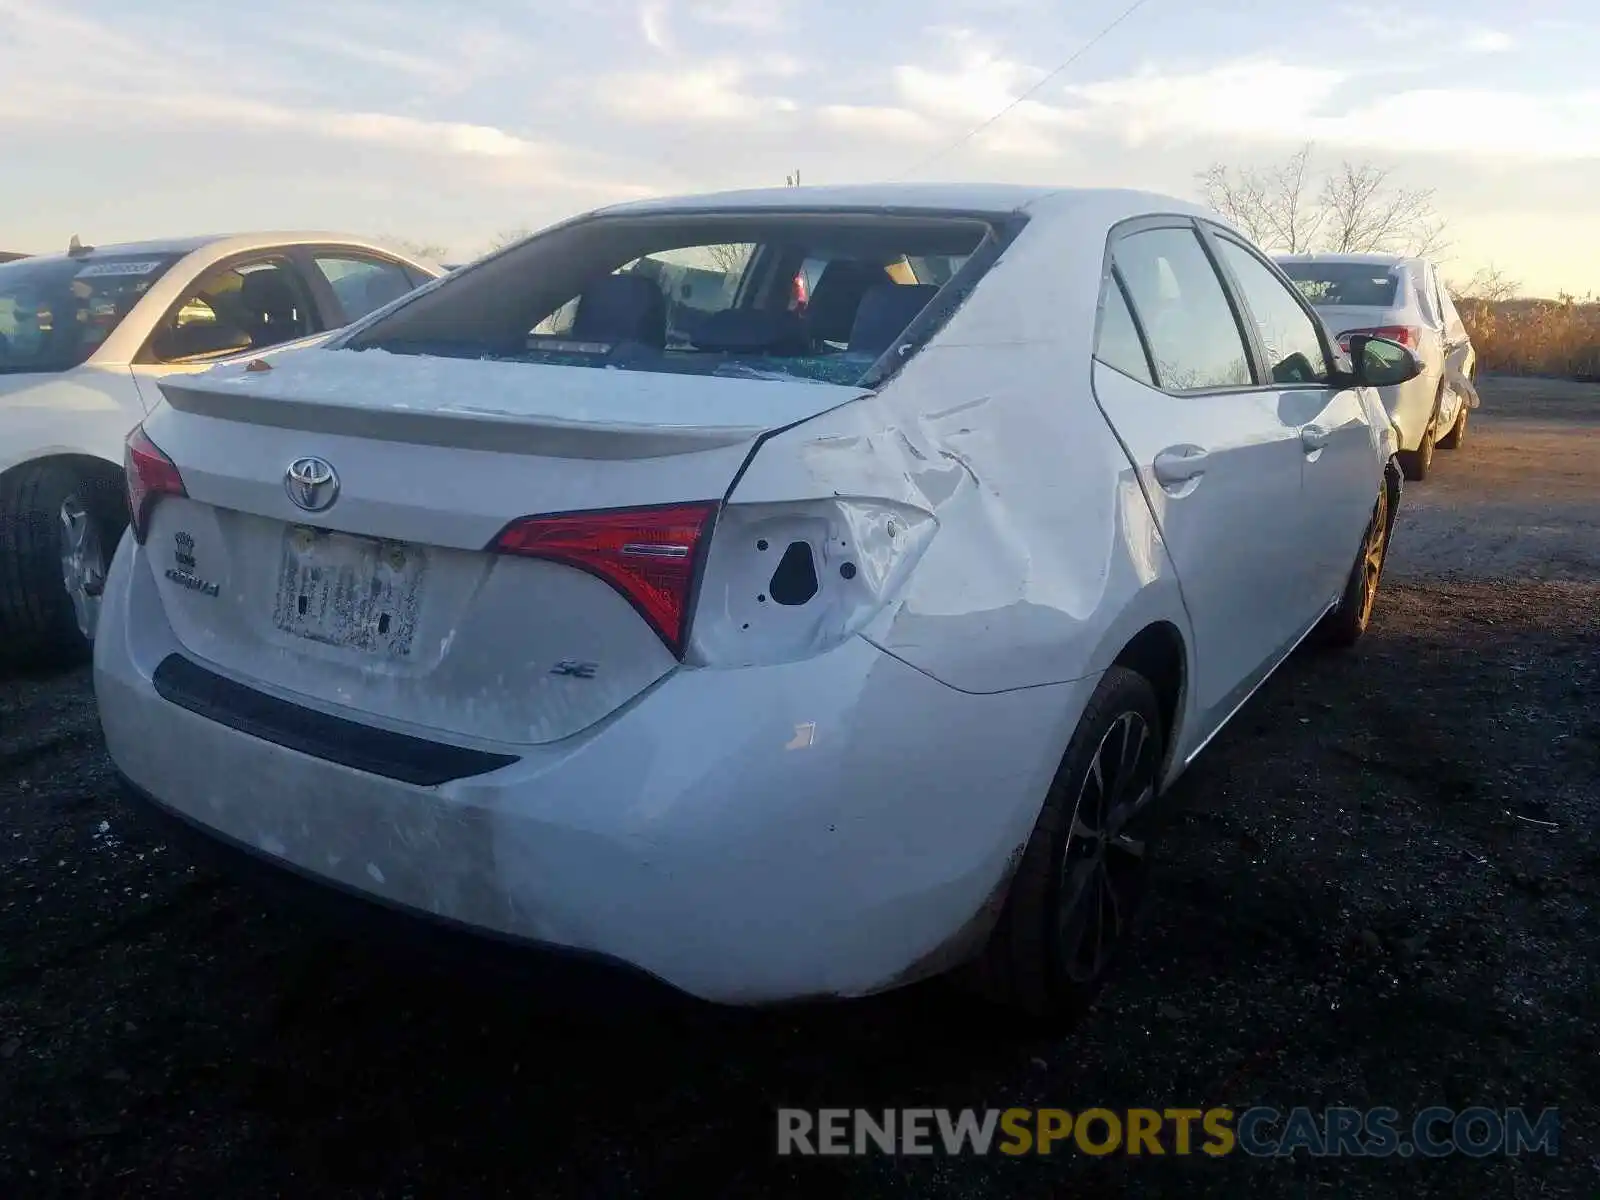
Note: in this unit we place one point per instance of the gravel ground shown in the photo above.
(1378, 888)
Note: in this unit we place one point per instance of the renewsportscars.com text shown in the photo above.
(1214, 1132)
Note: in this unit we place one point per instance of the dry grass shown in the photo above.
(1535, 337)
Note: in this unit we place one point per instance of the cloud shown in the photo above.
(887, 123)
(441, 73)
(709, 92)
(653, 24)
(1488, 41)
(756, 16)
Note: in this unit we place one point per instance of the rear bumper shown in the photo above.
(570, 974)
(835, 826)
(1410, 406)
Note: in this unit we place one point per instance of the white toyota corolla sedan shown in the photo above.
(617, 594)
(1391, 296)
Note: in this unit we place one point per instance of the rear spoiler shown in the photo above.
(519, 408)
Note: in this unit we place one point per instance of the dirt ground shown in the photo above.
(1379, 889)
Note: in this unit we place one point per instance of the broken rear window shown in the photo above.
(1332, 284)
(811, 296)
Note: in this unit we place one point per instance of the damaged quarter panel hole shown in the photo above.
(795, 580)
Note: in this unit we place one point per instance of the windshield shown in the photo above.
(54, 312)
(782, 296)
(1334, 284)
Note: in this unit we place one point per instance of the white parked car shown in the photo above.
(840, 640)
(1389, 296)
(83, 338)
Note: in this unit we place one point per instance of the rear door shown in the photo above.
(1217, 454)
(1340, 464)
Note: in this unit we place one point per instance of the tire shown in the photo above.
(1458, 431)
(1344, 626)
(1033, 962)
(1416, 463)
(40, 623)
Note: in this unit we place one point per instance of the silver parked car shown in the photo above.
(1388, 296)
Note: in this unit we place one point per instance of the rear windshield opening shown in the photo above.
(796, 296)
(55, 312)
(1360, 285)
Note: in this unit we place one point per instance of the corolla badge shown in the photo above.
(311, 484)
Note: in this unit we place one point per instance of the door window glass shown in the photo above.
(1288, 334)
(1187, 320)
(246, 306)
(1119, 345)
(362, 284)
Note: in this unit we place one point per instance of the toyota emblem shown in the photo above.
(311, 484)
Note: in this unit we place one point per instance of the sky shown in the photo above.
(448, 125)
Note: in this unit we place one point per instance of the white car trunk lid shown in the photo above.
(1341, 318)
(387, 603)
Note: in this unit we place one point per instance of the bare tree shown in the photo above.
(1489, 284)
(730, 259)
(1366, 213)
(430, 250)
(507, 236)
(1276, 207)
(1287, 208)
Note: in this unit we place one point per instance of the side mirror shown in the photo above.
(201, 339)
(1378, 362)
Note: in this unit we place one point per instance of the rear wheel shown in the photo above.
(1415, 463)
(1458, 431)
(58, 528)
(1083, 870)
(1347, 622)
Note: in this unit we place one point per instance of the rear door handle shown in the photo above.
(1179, 464)
(1313, 439)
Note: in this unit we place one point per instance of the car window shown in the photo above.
(1118, 344)
(695, 281)
(1288, 334)
(55, 312)
(362, 284)
(1187, 320)
(1343, 284)
(820, 296)
(243, 306)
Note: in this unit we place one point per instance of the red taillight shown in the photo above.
(650, 555)
(799, 294)
(151, 474)
(1406, 335)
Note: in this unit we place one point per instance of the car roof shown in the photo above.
(929, 197)
(223, 244)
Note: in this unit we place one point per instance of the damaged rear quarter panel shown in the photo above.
(1046, 559)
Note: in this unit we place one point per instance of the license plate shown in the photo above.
(354, 592)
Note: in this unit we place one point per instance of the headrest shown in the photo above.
(885, 312)
(621, 308)
(749, 331)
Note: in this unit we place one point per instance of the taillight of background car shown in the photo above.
(1406, 335)
(151, 475)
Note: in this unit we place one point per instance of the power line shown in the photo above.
(981, 126)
